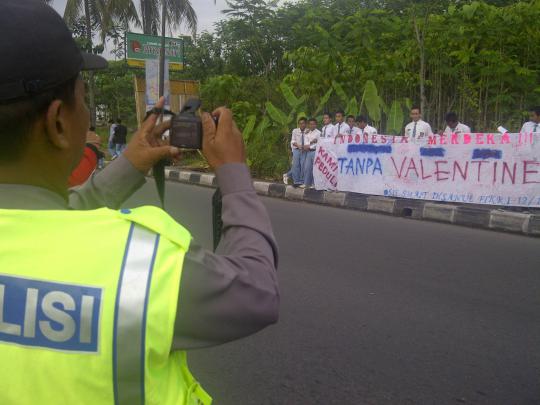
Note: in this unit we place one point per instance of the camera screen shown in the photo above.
(188, 128)
(186, 134)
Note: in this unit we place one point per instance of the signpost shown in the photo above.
(142, 47)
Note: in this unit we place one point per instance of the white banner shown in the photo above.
(152, 84)
(496, 169)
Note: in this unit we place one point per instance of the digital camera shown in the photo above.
(186, 127)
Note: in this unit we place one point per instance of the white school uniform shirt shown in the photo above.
(328, 131)
(342, 129)
(312, 136)
(367, 130)
(111, 132)
(459, 129)
(530, 126)
(297, 137)
(418, 130)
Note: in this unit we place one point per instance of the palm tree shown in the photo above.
(99, 14)
(177, 11)
(103, 14)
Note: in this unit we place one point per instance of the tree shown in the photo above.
(96, 14)
(251, 39)
(177, 12)
(114, 92)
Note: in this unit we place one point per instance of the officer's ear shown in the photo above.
(56, 124)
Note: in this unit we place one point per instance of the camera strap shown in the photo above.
(159, 177)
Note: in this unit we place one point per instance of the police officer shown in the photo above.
(112, 327)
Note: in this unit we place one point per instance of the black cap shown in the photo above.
(37, 50)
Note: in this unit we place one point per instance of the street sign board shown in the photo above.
(141, 47)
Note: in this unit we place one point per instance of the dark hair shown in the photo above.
(340, 112)
(118, 121)
(93, 129)
(535, 110)
(330, 115)
(361, 118)
(350, 116)
(312, 119)
(18, 117)
(415, 107)
(302, 119)
(451, 117)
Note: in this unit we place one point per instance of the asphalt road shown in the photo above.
(380, 310)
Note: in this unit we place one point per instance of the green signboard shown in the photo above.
(141, 47)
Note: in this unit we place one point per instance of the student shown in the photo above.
(328, 130)
(362, 126)
(534, 124)
(453, 126)
(341, 127)
(310, 144)
(351, 123)
(298, 138)
(111, 146)
(120, 138)
(418, 128)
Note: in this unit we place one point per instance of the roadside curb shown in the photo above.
(464, 215)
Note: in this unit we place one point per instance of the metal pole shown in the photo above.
(162, 53)
(159, 167)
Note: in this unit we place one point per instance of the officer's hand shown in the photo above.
(146, 148)
(223, 144)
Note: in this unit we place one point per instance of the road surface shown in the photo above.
(379, 310)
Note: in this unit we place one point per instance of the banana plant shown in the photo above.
(249, 127)
(323, 101)
(293, 101)
(372, 101)
(395, 118)
(340, 92)
(352, 107)
(297, 105)
(277, 115)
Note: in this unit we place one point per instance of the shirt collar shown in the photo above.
(26, 197)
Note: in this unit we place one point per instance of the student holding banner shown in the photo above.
(328, 130)
(534, 124)
(417, 129)
(362, 127)
(341, 127)
(351, 122)
(298, 138)
(453, 126)
(310, 144)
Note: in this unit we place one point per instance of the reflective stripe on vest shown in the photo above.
(119, 307)
(130, 315)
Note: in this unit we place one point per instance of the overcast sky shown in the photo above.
(207, 12)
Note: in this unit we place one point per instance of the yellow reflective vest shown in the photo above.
(88, 301)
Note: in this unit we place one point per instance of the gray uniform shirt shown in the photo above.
(224, 296)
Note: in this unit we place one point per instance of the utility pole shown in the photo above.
(162, 52)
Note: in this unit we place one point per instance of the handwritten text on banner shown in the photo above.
(491, 169)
